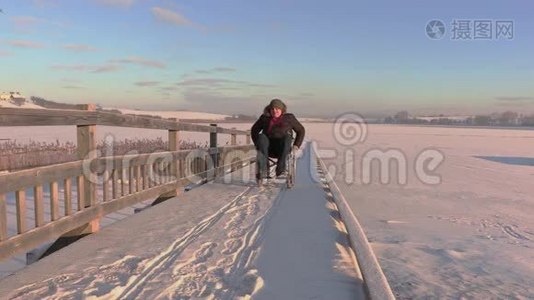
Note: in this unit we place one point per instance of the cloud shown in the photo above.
(216, 70)
(25, 44)
(4, 53)
(140, 61)
(79, 48)
(88, 68)
(27, 24)
(147, 83)
(25, 21)
(46, 3)
(110, 66)
(169, 88)
(224, 69)
(124, 3)
(106, 68)
(260, 85)
(72, 87)
(205, 82)
(169, 16)
(208, 100)
(71, 67)
(216, 82)
(514, 98)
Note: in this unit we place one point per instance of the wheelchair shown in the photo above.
(291, 166)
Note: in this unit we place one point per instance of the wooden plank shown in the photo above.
(138, 186)
(131, 188)
(144, 174)
(39, 205)
(67, 192)
(54, 201)
(159, 172)
(123, 182)
(80, 192)
(45, 117)
(174, 145)
(115, 184)
(105, 186)
(162, 171)
(3, 217)
(153, 175)
(194, 127)
(213, 145)
(51, 117)
(21, 210)
(38, 176)
(150, 175)
(111, 119)
(182, 168)
(168, 172)
(120, 182)
(205, 166)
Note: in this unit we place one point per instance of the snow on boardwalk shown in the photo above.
(222, 241)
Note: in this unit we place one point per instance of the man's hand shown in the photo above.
(295, 148)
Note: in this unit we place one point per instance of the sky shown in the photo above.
(323, 58)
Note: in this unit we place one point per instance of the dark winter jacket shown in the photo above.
(288, 123)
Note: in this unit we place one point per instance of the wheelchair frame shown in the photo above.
(291, 164)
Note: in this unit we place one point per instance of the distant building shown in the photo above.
(15, 97)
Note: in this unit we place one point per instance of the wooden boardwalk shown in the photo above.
(230, 239)
(225, 239)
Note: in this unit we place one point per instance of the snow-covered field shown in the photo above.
(471, 235)
(27, 104)
(176, 114)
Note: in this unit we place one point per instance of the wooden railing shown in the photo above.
(81, 192)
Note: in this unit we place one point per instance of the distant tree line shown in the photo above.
(51, 104)
(240, 117)
(507, 118)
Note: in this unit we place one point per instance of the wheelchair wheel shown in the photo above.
(291, 169)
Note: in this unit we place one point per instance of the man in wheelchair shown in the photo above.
(272, 135)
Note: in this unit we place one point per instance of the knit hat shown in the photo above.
(277, 103)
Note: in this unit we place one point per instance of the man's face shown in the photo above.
(276, 112)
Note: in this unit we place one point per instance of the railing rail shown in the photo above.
(57, 117)
(81, 192)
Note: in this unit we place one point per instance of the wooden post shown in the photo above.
(86, 144)
(233, 142)
(3, 218)
(248, 138)
(174, 145)
(233, 139)
(213, 144)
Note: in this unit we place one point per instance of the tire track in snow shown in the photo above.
(160, 263)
